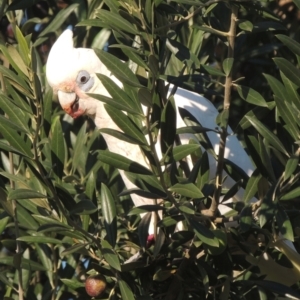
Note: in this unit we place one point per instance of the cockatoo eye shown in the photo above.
(84, 81)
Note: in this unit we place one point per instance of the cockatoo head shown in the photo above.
(71, 72)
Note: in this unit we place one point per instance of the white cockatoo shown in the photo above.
(71, 72)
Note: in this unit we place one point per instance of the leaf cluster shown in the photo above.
(63, 204)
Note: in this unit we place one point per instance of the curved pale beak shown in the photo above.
(70, 104)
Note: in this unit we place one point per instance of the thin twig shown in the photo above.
(227, 97)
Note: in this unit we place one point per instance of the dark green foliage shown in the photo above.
(64, 211)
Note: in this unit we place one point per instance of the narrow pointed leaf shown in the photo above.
(25, 263)
(118, 68)
(288, 69)
(120, 162)
(168, 127)
(84, 207)
(57, 148)
(284, 225)
(291, 166)
(290, 43)
(126, 292)
(182, 151)
(227, 65)
(23, 46)
(125, 123)
(20, 194)
(39, 239)
(110, 256)
(295, 193)
(121, 136)
(118, 94)
(15, 140)
(114, 21)
(59, 19)
(252, 186)
(188, 190)
(204, 234)
(267, 134)
(109, 213)
(251, 96)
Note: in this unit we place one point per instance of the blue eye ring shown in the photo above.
(84, 80)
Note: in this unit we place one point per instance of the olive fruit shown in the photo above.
(95, 285)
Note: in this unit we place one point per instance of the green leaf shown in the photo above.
(187, 209)
(182, 151)
(21, 4)
(268, 207)
(252, 186)
(289, 114)
(147, 183)
(290, 43)
(23, 46)
(121, 136)
(57, 148)
(25, 263)
(291, 166)
(267, 134)
(204, 234)
(14, 58)
(276, 86)
(16, 81)
(115, 21)
(284, 225)
(222, 118)
(144, 208)
(118, 94)
(59, 19)
(212, 70)
(83, 207)
(194, 130)
(246, 218)
(72, 283)
(227, 65)
(126, 292)
(189, 190)
(113, 102)
(7, 122)
(110, 256)
(288, 69)
(251, 96)
(39, 239)
(246, 25)
(118, 69)
(170, 221)
(3, 223)
(15, 140)
(291, 91)
(76, 248)
(19, 194)
(15, 114)
(181, 52)
(109, 213)
(293, 194)
(168, 129)
(120, 162)
(125, 124)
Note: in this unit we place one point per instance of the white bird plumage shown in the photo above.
(71, 72)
